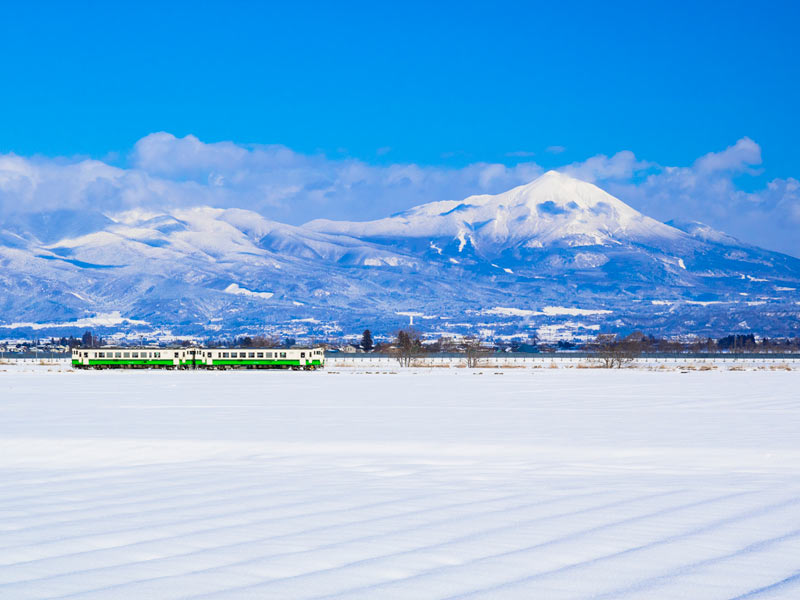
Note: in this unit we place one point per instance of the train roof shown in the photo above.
(199, 348)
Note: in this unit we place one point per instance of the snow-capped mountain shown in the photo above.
(558, 254)
(554, 211)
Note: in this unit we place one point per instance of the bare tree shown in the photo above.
(407, 345)
(473, 351)
(613, 352)
(263, 341)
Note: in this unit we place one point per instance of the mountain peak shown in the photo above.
(553, 209)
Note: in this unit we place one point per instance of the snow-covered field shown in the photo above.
(444, 483)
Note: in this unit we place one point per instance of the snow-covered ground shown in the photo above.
(440, 483)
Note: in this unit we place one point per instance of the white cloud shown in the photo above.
(706, 192)
(623, 165)
(166, 171)
(737, 158)
(555, 149)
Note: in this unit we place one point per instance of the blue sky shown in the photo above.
(434, 85)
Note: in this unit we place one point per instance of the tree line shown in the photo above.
(611, 350)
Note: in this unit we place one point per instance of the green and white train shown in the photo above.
(307, 359)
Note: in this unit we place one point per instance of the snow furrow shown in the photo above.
(566, 485)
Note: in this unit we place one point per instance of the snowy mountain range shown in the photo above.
(558, 255)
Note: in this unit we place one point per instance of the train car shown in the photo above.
(133, 358)
(307, 359)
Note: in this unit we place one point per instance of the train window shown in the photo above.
(176, 355)
(260, 355)
(251, 355)
(156, 354)
(302, 355)
(101, 354)
(283, 354)
(118, 355)
(224, 355)
(126, 355)
(269, 354)
(134, 355)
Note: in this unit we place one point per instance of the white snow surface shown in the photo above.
(420, 484)
(235, 288)
(547, 310)
(100, 320)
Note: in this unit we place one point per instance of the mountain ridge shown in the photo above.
(552, 208)
(555, 241)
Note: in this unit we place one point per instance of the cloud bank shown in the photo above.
(167, 172)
